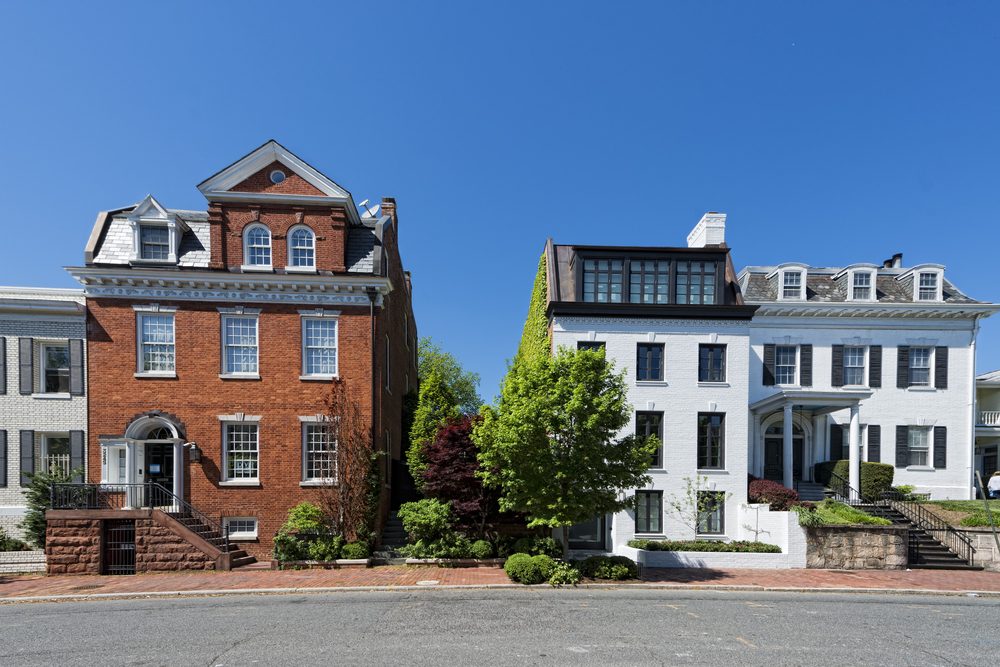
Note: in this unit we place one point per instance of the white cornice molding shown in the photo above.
(874, 310)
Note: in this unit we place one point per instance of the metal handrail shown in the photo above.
(919, 515)
(121, 496)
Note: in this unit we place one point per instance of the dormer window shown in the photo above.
(927, 287)
(257, 248)
(302, 249)
(792, 286)
(862, 287)
(154, 242)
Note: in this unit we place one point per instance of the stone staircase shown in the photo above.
(925, 551)
(393, 537)
(810, 491)
(237, 556)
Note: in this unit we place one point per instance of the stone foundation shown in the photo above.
(158, 549)
(73, 546)
(987, 554)
(857, 547)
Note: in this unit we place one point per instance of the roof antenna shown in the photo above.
(369, 212)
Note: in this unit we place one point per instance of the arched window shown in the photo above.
(302, 248)
(159, 433)
(257, 246)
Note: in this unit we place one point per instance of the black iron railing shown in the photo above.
(139, 496)
(915, 512)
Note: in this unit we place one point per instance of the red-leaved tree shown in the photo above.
(452, 464)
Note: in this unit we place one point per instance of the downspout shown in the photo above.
(372, 295)
(972, 403)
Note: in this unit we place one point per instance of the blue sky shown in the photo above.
(830, 133)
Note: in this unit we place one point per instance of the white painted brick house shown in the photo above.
(43, 404)
(867, 363)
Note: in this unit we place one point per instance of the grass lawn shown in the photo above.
(965, 512)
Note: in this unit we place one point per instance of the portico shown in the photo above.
(799, 417)
(150, 451)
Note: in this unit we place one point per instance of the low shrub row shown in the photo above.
(534, 569)
(705, 545)
(617, 568)
(529, 570)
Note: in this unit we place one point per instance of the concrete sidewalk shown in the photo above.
(36, 587)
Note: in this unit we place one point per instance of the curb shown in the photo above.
(90, 597)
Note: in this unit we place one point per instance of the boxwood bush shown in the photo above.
(355, 551)
(538, 545)
(876, 478)
(705, 545)
(617, 568)
(527, 569)
(481, 549)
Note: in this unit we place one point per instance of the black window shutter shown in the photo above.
(3, 365)
(903, 366)
(27, 456)
(806, 360)
(76, 366)
(902, 446)
(3, 459)
(875, 366)
(837, 375)
(941, 367)
(25, 362)
(768, 365)
(76, 454)
(940, 446)
(836, 442)
(874, 443)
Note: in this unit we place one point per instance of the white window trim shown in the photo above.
(38, 381)
(289, 267)
(929, 430)
(914, 274)
(242, 536)
(237, 420)
(864, 368)
(798, 364)
(314, 315)
(801, 271)
(872, 274)
(153, 309)
(246, 266)
(240, 313)
(313, 481)
(930, 386)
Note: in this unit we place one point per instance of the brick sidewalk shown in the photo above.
(930, 580)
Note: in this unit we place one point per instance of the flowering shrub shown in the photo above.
(780, 498)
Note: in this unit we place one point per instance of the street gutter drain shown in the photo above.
(428, 582)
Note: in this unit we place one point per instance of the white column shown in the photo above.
(752, 453)
(131, 496)
(786, 447)
(178, 470)
(855, 455)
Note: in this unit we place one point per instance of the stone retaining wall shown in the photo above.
(73, 546)
(987, 554)
(13, 562)
(857, 547)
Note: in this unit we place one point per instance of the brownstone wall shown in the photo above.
(158, 549)
(73, 546)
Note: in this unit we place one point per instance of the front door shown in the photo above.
(588, 535)
(774, 459)
(160, 465)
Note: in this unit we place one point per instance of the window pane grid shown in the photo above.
(55, 362)
(784, 364)
(154, 242)
(602, 280)
(649, 280)
(157, 340)
(928, 287)
(303, 248)
(320, 347)
(711, 505)
(695, 283)
(321, 449)
(711, 363)
(854, 365)
(647, 424)
(710, 440)
(241, 344)
(649, 362)
(919, 446)
(259, 247)
(920, 366)
(862, 286)
(241, 451)
(649, 512)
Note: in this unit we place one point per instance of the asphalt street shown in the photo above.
(501, 627)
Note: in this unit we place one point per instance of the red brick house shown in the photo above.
(214, 336)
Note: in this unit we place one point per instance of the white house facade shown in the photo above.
(43, 403)
(674, 320)
(866, 363)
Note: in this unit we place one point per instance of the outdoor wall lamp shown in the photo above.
(195, 453)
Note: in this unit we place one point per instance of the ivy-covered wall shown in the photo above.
(535, 336)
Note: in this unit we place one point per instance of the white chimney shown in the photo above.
(710, 230)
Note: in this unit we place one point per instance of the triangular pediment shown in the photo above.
(252, 174)
(150, 209)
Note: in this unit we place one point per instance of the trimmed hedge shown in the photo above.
(822, 470)
(529, 570)
(705, 545)
(780, 498)
(616, 568)
(538, 546)
(876, 478)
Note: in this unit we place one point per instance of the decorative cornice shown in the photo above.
(187, 294)
(645, 322)
(876, 310)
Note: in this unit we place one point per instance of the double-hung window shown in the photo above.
(240, 346)
(602, 280)
(319, 347)
(651, 424)
(319, 452)
(861, 287)
(242, 452)
(156, 343)
(649, 280)
(711, 363)
(785, 364)
(920, 366)
(711, 512)
(854, 365)
(695, 283)
(302, 248)
(55, 368)
(711, 440)
(791, 285)
(927, 287)
(154, 242)
(919, 445)
(257, 246)
(56, 454)
(649, 512)
(649, 362)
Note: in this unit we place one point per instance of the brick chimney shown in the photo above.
(389, 208)
(710, 231)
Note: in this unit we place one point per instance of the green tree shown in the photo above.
(462, 384)
(437, 404)
(38, 500)
(550, 443)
